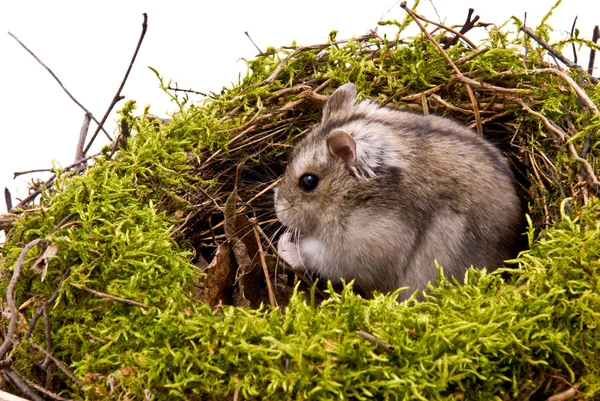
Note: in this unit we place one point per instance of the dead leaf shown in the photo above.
(41, 263)
(248, 276)
(217, 284)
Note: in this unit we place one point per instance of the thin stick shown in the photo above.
(48, 332)
(7, 199)
(44, 391)
(62, 86)
(467, 26)
(372, 339)
(474, 103)
(564, 139)
(49, 302)
(82, 135)
(59, 364)
(573, 44)
(556, 53)
(416, 16)
(595, 37)
(118, 96)
(49, 170)
(263, 262)
(14, 377)
(260, 52)
(108, 296)
(34, 194)
(580, 92)
(10, 297)
(177, 89)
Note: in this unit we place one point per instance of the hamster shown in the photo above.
(377, 195)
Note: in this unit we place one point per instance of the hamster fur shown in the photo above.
(395, 191)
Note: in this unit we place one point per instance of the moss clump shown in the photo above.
(136, 224)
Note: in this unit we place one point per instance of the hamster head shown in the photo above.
(330, 169)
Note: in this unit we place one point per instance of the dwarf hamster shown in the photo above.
(377, 195)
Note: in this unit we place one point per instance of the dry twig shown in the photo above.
(372, 339)
(564, 140)
(263, 262)
(118, 96)
(108, 296)
(10, 296)
(556, 54)
(100, 125)
(459, 74)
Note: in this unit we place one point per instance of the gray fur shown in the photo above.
(423, 188)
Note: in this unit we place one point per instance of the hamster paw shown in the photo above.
(289, 251)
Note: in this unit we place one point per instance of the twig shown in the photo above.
(108, 296)
(573, 44)
(556, 53)
(82, 135)
(58, 363)
(595, 37)
(492, 88)
(177, 89)
(372, 339)
(580, 92)
(10, 297)
(260, 52)
(39, 170)
(14, 377)
(467, 26)
(48, 332)
(565, 395)
(62, 86)
(34, 194)
(459, 74)
(471, 56)
(44, 391)
(118, 96)
(416, 16)
(7, 199)
(49, 302)
(564, 139)
(261, 253)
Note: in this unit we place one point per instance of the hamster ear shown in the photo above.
(341, 101)
(343, 146)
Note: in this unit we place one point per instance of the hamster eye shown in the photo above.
(308, 182)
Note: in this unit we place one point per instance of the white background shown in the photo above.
(197, 44)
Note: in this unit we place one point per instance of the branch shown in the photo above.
(468, 25)
(372, 339)
(555, 53)
(176, 89)
(565, 140)
(10, 297)
(108, 296)
(82, 134)
(474, 102)
(416, 16)
(7, 199)
(62, 86)
(595, 37)
(118, 96)
(14, 377)
(58, 363)
(263, 262)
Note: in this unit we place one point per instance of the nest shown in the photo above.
(134, 285)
